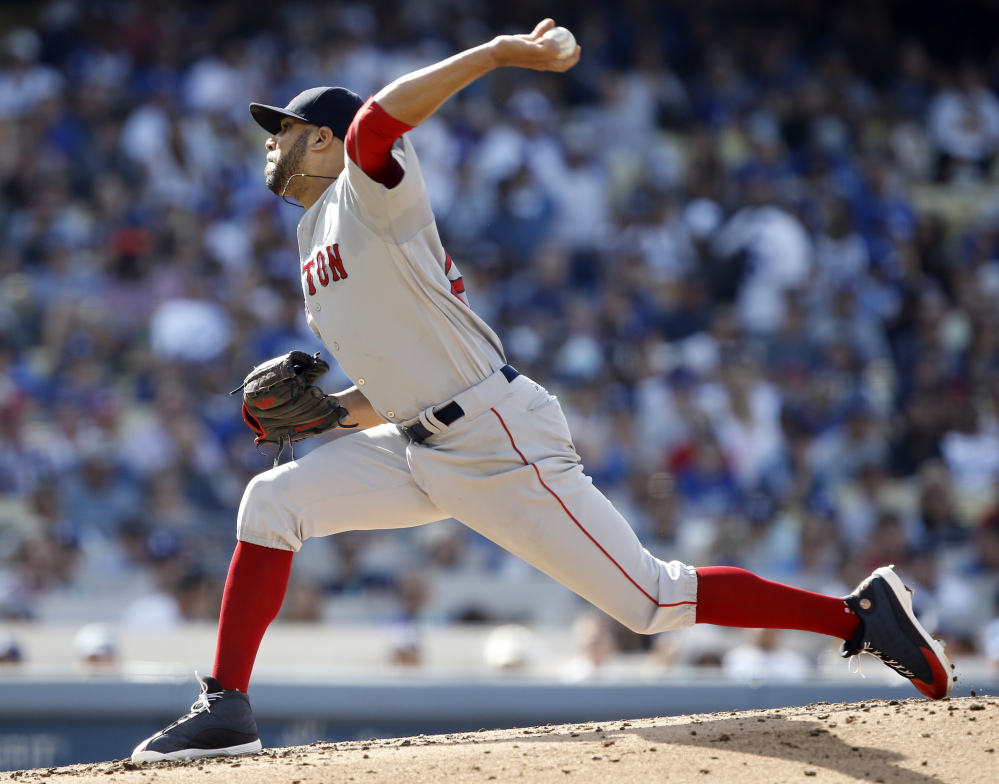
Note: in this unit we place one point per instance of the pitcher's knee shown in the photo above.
(657, 618)
(265, 518)
(643, 623)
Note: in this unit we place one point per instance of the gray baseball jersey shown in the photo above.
(388, 303)
(385, 297)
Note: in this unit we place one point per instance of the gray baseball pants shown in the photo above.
(508, 470)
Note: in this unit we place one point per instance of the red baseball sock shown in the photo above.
(254, 591)
(727, 596)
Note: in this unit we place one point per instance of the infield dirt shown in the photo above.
(910, 741)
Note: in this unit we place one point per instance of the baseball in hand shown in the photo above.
(566, 41)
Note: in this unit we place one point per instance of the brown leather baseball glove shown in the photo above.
(282, 405)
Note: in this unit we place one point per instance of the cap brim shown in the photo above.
(269, 117)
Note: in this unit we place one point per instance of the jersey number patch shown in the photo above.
(325, 266)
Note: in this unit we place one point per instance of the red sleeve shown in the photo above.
(369, 143)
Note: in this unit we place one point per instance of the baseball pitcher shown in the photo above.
(444, 426)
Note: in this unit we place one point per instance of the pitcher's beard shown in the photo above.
(287, 165)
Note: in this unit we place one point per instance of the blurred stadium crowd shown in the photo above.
(755, 253)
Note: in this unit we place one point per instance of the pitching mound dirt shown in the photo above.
(898, 742)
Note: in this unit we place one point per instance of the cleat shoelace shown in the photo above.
(899, 668)
(204, 701)
(202, 704)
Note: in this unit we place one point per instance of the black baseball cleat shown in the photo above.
(220, 724)
(889, 631)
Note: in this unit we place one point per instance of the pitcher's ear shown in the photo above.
(323, 137)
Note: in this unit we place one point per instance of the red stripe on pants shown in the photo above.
(579, 525)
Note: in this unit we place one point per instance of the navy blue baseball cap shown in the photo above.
(330, 107)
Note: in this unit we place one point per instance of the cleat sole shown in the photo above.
(182, 755)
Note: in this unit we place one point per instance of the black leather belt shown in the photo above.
(449, 412)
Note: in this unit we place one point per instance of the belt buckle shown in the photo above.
(415, 434)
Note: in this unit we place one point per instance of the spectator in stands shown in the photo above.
(775, 248)
(970, 451)
(986, 548)
(945, 603)
(764, 660)
(964, 126)
(99, 495)
(842, 450)
(991, 637)
(25, 82)
(10, 649)
(744, 412)
(919, 430)
(597, 648)
(942, 525)
(192, 596)
(704, 480)
(508, 649)
(888, 543)
(96, 647)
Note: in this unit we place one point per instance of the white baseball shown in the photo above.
(566, 41)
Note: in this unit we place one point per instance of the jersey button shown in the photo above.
(336, 346)
(390, 414)
(360, 382)
(319, 306)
